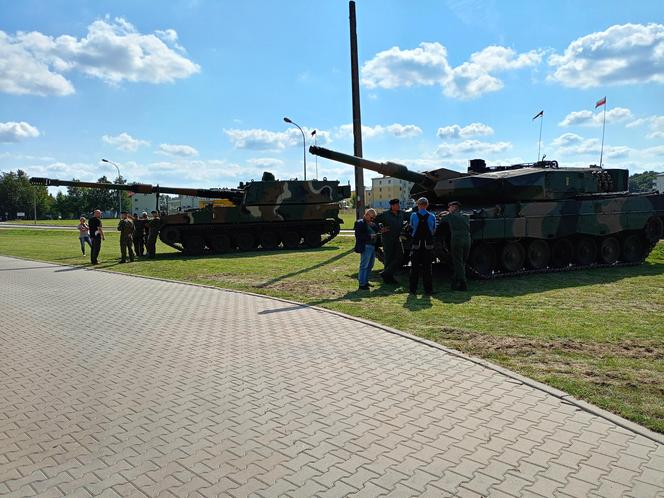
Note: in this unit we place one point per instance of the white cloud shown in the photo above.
(34, 63)
(427, 65)
(258, 139)
(12, 131)
(124, 141)
(369, 132)
(655, 125)
(588, 118)
(470, 147)
(177, 150)
(472, 130)
(571, 144)
(265, 162)
(623, 54)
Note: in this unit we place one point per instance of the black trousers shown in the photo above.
(96, 247)
(139, 245)
(420, 261)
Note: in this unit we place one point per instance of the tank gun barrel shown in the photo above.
(142, 188)
(388, 169)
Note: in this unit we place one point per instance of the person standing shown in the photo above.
(459, 226)
(84, 234)
(139, 234)
(126, 229)
(97, 235)
(154, 224)
(365, 245)
(393, 221)
(423, 226)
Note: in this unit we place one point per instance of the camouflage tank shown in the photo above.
(264, 214)
(535, 217)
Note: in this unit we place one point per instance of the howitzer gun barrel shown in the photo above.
(388, 169)
(142, 188)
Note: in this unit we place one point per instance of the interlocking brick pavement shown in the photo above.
(113, 385)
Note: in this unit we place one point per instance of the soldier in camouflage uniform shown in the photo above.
(126, 229)
(139, 234)
(459, 225)
(153, 232)
(393, 221)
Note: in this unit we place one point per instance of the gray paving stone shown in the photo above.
(119, 386)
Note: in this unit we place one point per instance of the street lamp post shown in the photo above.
(304, 145)
(119, 191)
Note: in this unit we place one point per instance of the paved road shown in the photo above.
(116, 385)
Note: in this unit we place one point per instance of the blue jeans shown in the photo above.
(83, 240)
(367, 259)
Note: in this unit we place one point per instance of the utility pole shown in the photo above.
(357, 119)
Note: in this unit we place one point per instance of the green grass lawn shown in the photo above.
(108, 222)
(598, 334)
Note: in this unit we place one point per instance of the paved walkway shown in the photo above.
(115, 385)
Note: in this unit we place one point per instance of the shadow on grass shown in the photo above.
(305, 270)
(233, 255)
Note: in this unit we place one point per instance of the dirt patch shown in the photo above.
(309, 289)
(641, 349)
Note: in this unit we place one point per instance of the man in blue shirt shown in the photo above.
(423, 224)
(365, 245)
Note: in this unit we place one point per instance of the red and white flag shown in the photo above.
(600, 102)
(541, 113)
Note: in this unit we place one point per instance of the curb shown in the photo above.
(563, 396)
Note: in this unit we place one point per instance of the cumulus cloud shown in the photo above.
(258, 139)
(12, 131)
(471, 147)
(427, 65)
(655, 125)
(623, 54)
(177, 150)
(124, 141)
(472, 130)
(369, 132)
(589, 118)
(265, 162)
(571, 144)
(113, 51)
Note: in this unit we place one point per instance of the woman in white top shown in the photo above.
(84, 234)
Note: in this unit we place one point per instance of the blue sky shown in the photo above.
(194, 92)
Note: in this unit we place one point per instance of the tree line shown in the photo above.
(18, 195)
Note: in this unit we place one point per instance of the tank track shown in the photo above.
(473, 273)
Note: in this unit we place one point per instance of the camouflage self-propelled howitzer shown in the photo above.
(263, 214)
(536, 217)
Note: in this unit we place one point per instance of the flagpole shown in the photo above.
(601, 152)
(539, 143)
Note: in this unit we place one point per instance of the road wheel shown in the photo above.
(609, 250)
(245, 241)
(291, 239)
(170, 235)
(561, 253)
(482, 259)
(312, 238)
(194, 245)
(538, 255)
(653, 229)
(269, 240)
(633, 248)
(220, 243)
(586, 251)
(512, 257)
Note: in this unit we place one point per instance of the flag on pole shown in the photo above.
(313, 133)
(600, 102)
(541, 113)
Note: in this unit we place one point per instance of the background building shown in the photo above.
(386, 188)
(659, 182)
(142, 202)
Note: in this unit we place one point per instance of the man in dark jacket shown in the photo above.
(365, 245)
(459, 225)
(423, 226)
(393, 221)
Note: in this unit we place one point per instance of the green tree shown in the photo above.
(18, 195)
(96, 198)
(642, 182)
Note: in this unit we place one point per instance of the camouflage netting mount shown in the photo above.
(536, 217)
(265, 214)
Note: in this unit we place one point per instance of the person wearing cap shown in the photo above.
(365, 245)
(392, 222)
(126, 229)
(423, 226)
(139, 234)
(153, 224)
(459, 226)
(97, 235)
